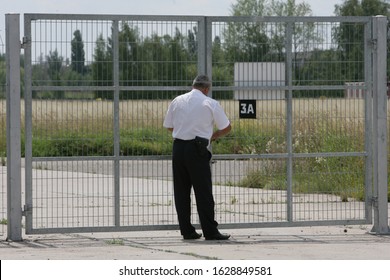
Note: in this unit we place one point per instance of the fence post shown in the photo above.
(115, 36)
(202, 47)
(380, 126)
(14, 193)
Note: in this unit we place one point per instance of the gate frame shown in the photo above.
(378, 145)
(380, 196)
(14, 178)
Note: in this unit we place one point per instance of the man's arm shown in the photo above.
(220, 133)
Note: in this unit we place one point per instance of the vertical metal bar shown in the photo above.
(14, 186)
(205, 64)
(209, 50)
(289, 115)
(368, 120)
(202, 49)
(380, 126)
(115, 37)
(28, 124)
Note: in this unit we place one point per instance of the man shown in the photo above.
(191, 118)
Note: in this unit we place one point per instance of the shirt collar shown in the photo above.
(198, 91)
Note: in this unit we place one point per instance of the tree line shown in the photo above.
(171, 60)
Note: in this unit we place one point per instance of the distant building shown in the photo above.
(357, 90)
(354, 90)
(258, 80)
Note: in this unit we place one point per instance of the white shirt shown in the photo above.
(194, 114)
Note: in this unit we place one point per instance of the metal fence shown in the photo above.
(3, 178)
(97, 88)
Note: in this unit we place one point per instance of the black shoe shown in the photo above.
(218, 236)
(193, 235)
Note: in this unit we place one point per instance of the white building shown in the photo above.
(262, 75)
(354, 90)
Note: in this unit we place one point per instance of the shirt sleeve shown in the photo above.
(220, 118)
(168, 121)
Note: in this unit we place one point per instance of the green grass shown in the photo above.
(137, 142)
(341, 176)
(65, 133)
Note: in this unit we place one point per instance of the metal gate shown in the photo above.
(3, 194)
(297, 91)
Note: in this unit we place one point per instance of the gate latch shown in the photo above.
(374, 201)
(24, 42)
(26, 209)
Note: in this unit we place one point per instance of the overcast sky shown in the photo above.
(140, 7)
(166, 7)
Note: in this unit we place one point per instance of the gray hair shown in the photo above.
(201, 81)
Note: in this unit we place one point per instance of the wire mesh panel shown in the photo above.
(147, 194)
(250, 187)
(330, 121)
(71, 194)
(71, 111)
(302, 156)
(98, 87)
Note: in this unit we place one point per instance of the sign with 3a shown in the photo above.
(247, 109)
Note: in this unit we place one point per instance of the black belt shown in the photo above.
(184, 141)
(199, 140)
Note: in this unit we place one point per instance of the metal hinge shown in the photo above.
(24, 43)
(374, 201)
(373, 43)
(26, 209)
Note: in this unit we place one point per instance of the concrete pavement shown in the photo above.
(301, 243)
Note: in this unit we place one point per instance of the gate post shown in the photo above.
(380, 126)
(14, 193)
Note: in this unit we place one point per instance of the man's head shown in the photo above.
(202, 83)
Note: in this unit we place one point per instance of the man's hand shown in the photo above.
(220, 133)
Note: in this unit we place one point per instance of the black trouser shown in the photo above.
(191, 168)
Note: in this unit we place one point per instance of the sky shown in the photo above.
(137, 7)
(152, 7)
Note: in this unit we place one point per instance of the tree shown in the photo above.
(250, 8)
(192, 43)
(2, 75)
(78, 54)
(102, 66)
(129, 55)
(155, 60)
(177, 55)
(315, 72)
(153, 50)
(247, 41)
(266, 41)
(362, 8)
(55, 62)
(303, 33)
(350, 37)
(145, 61)
(262, 42)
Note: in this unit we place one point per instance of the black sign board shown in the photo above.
(247, 109)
